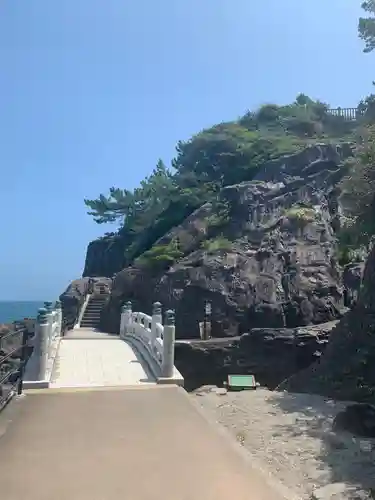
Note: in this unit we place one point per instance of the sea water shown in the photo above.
(16, 310)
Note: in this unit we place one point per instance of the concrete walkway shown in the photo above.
(144, 443)
(87, 358)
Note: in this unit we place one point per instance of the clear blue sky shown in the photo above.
(93, 92)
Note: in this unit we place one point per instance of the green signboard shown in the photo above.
(238, 382)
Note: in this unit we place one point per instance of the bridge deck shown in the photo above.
(143, 443)
(90, 358)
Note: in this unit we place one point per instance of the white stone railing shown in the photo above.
(82, 310)
(55, 323)
(46, 340)
(156, 339)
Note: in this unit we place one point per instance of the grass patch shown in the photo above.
(218, 243)
(160, 257)
(301, 214)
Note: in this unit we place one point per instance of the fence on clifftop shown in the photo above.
(347, 114)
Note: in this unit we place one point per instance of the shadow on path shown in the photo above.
(350, 459)
(149, 376)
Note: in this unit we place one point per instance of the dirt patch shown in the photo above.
(291, 437)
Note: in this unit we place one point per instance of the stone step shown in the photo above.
(93, 309)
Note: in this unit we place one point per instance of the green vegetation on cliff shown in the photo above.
(358, 189)
(366, 26)
(225, 154)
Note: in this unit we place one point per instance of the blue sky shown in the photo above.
(93, 92)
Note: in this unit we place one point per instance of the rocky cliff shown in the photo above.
(346, 370)
(263, 253)
(104, 256)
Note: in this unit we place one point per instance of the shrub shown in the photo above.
(301, 214)
(160, 257)
(215, 244)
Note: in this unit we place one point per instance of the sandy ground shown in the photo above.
(290, 437)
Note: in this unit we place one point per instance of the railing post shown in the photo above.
(42, 343)
(168, 345)
(156, 318)
(49, 308)
(126, 318)
(23, 360)
(59, 317)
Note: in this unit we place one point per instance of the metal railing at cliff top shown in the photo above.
(346, 113)
(14, 354)
(27, 354)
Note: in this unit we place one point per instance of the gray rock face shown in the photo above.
(306, 163)
(280, 271)
(352, 279)
(346, 370)
(272, 355)
(104, 256)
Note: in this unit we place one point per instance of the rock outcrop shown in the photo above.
(352, 279)
(270, 354)
(104, 256)
(278, 267)
(74, 296)
(346, 370)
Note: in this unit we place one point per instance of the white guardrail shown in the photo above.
(46, 340)
(155, 341)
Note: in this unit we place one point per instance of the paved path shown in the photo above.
(90, 358)
(145, 443)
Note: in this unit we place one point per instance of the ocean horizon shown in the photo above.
(15, 310)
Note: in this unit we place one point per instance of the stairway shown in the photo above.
(91, 315)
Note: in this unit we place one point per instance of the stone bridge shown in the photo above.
(98, 416)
